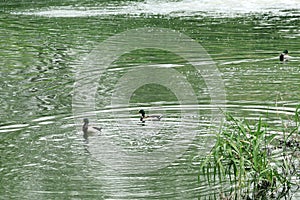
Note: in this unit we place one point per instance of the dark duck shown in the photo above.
(145, 117)
(283, 57)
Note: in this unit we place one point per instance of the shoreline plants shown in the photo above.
(253, 163)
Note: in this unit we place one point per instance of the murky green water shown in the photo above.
(43, 46)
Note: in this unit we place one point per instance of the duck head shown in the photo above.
(86, 120)
(142, 112)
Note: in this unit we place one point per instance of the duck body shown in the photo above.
(149, 117)
(89, 130)
(283, 57)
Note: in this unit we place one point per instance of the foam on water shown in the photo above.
(172, 8)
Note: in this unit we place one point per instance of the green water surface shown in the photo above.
(43, 155)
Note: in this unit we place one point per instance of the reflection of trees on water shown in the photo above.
(50, 57)
(51, 74)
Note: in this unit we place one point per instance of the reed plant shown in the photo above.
(251, 162)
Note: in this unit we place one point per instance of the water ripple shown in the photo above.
(228, 8)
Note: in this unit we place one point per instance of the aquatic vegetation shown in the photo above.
(249, 161)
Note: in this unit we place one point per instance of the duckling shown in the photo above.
(149, 117)
(89, 130)
(284, 56)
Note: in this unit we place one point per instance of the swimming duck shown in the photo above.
(89, 130)
(149, 117)
(284, 56)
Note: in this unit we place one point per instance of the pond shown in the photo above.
(189, 61)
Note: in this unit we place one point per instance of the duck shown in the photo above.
(89, 130)
(283, 57)
(149, 117)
